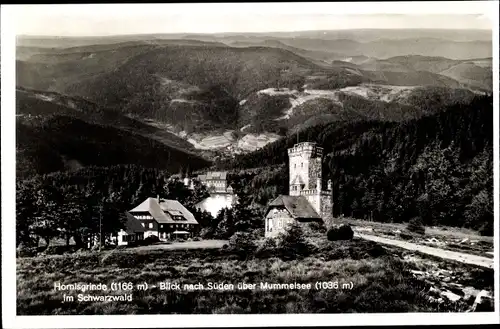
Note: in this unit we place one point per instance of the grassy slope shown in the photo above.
(380, 282)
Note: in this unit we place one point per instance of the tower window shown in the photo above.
(302, 165)
(295, 166)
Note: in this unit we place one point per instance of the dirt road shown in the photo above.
(445, 254)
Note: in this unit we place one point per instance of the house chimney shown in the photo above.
(318, 184)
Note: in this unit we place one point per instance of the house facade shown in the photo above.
(308, 200)
(166, 219)
(216, 182)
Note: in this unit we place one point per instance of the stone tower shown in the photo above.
(305, 161)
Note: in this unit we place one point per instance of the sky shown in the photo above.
(113, 19)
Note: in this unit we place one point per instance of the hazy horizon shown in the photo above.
(128, 19)
(250, 32)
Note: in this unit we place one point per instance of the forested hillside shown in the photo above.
(65, 143)
(439, 167)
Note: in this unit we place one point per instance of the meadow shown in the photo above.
(379, 281)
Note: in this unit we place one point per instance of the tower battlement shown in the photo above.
(306, 147)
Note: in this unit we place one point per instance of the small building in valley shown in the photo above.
(221, 194)
(215, 181)
(166, 219)
(308, 200)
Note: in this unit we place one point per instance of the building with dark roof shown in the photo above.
(307, 200)
(132, 232)
(164, 218)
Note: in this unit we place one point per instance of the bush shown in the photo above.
(486, 229)
(242, 244)
(376, 251)
(267, 249)
(292, 244)
(416, 225)
(342, 232)
(317, 227)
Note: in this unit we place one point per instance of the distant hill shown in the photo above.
(472, 75)
(35, 105)
(56, 132)
(194, 87)
(415, 69)
(386, 48)
(65, 143)
(288, 111)
(196, 92)
(319, 57)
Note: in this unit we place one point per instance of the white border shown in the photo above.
(489, 8)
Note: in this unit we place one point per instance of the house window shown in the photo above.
(124, 238)
(302, 165)
(142, 224)
(295, 166)
(150, 225)
(280, 223)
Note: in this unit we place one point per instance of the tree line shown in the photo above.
(91, 202)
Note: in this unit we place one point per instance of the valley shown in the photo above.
(228, 94)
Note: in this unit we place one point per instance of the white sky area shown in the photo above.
(113, 19)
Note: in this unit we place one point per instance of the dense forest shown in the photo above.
(438, 168)
(77, 206)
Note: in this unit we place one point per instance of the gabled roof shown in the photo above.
(176, 207)
(174, 212)
(157, 210)
(132, 225)
(297, 206)
(297, 181)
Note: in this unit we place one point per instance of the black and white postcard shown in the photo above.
(296, 163)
